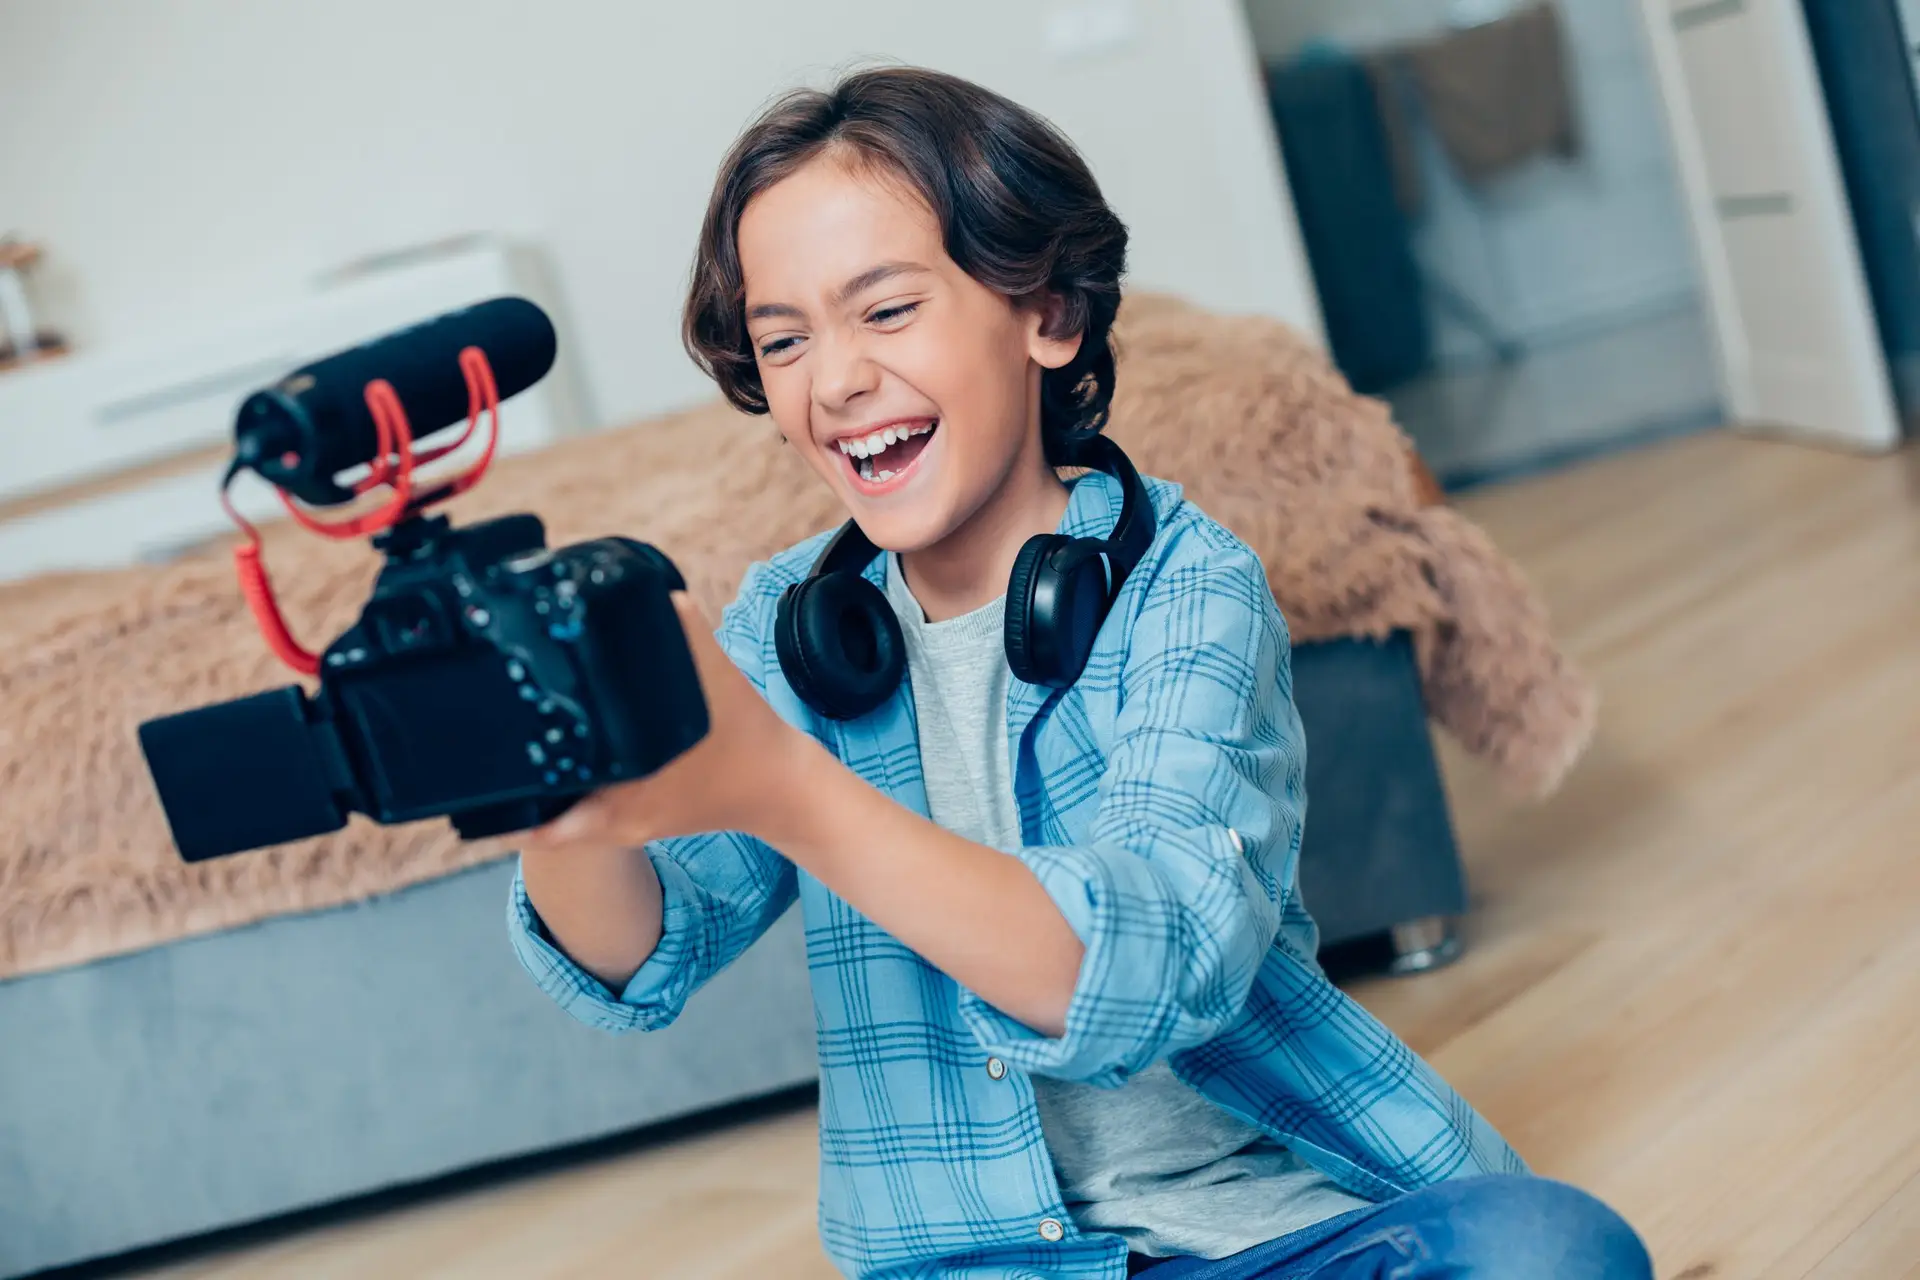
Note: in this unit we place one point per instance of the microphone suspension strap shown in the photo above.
(393, 465)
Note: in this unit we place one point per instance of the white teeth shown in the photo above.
(884, 476)
(874, 445)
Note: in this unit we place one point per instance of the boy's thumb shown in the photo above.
(582, 820)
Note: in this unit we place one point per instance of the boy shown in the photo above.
(1041, 803)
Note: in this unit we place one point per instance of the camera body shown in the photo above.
(489, 679)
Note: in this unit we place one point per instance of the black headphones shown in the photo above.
(840, 644)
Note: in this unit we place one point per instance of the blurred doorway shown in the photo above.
(1495, 221)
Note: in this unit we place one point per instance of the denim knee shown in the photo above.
(1535, 1227)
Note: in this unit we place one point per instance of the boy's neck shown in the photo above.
(970, 566)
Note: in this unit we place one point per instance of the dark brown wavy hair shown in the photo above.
(1018, 208)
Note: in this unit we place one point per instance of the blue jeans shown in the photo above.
(1485, 1228)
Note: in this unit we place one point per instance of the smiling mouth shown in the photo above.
(888, 453)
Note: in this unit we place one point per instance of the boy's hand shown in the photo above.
(973, 911)
(727, 781)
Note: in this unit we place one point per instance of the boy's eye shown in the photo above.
(886, 315)
(778, 345)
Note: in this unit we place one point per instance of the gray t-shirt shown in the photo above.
(1153, 1161)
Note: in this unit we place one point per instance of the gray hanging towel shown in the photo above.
(1498, 94)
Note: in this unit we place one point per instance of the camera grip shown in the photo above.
(639, 662)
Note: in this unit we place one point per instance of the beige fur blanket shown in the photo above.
(1249, 417)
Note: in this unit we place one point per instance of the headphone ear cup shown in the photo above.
(1061, 589)
(1026, 658)
(839, 644)
(1080, 601)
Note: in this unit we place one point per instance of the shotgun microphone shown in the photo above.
(314, 423)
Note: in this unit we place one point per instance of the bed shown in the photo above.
(190, 1048)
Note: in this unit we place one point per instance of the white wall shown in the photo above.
(1555, 249)
(182, 158)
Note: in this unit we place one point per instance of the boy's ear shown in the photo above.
(1050, 347)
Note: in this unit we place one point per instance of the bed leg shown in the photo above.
(1420, 945)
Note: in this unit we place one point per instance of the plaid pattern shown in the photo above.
(1162, 799)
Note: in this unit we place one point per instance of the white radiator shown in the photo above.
(82, 420)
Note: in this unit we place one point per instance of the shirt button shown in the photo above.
(996, 1068)
(1050, 1229)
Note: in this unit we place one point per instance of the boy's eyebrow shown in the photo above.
(873, 276)
(865, 280)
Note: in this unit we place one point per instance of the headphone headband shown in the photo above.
(1133, 531)
(848, 551)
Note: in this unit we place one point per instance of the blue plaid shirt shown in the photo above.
(1161, 799)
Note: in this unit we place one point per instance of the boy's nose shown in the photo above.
(842, 372)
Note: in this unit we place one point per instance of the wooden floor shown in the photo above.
(1693, 982)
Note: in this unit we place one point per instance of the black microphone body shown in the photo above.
(314, 423)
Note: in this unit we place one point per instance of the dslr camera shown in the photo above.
(490, 679)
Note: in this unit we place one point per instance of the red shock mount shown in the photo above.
(393, 465)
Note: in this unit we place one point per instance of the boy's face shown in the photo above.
(912, 388)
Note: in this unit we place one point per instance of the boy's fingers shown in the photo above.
(694, 620)
(708, 656)
(691, 614)
(581, 821)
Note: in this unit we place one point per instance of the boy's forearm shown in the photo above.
(601, 906)
(977, 914)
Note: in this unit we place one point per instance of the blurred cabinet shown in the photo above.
(1866, 53)
(1792, 316)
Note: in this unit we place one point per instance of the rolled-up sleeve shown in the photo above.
(720, 892)
(718, 895)
(1188, 867)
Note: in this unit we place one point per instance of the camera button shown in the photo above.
(554, 735)
(536, 753)
(516, 672)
